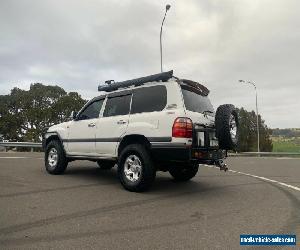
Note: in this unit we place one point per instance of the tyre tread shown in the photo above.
(222, 126)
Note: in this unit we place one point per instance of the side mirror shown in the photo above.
(73, 115)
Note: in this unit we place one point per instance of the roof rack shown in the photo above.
(112, 86)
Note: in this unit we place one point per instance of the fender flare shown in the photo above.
(47, 138)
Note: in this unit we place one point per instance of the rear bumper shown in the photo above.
(183, 154)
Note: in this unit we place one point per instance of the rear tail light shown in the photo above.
(182, 128)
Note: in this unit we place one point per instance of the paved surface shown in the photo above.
(87, 208)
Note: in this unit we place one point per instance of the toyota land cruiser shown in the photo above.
(144, 125)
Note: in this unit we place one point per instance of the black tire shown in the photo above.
(62, 161)
(224, 126)
(106, 165)
(147, 172)
(184, 173)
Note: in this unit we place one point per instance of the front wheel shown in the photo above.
(184, 173)
(136, 170)
(55, 159)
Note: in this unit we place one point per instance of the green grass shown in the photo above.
(286, 146)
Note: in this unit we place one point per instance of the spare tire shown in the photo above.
(226, 122)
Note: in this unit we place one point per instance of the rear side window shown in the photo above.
(117, 106)
(149, 99)
(91, 111)
(195, 102)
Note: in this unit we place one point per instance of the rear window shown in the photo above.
(117, 106)
(196, 102)
(149, 99)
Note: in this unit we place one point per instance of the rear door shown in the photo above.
(148, 115)
(113, 124)
(82, 130)
(200, 110)
(198, 107)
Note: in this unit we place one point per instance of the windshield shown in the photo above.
(196, 102)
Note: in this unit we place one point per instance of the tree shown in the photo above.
(65, 105)
(24, 115)
(248, 133)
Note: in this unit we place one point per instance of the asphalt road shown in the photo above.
(86, 208)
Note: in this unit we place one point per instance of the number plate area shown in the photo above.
(213, 141)
(206, 138)
(201, 139)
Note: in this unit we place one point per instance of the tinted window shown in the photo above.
(117, 106)
(149, 99)
(196, 102)
(91, 111)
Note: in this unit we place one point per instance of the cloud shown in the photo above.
(79, 44)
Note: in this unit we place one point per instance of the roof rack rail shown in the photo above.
(164, 76)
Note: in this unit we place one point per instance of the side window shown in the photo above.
(149, 99)
(91, 111)
(118, 105)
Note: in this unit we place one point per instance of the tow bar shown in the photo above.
(221, 165)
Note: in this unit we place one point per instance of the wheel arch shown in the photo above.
(52, 136)
(133, 139)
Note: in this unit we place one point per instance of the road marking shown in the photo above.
(261, 178)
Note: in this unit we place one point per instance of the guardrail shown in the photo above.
(278, 154)
(39, 145)
(21, 144)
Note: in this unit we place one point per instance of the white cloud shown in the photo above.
(78, 44)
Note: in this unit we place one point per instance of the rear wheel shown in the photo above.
(55, 159)
(136, 170)
(106, 165)
(184, 173)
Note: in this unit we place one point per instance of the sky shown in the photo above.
(80, 44)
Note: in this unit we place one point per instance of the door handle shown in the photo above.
(121, 122)
(90, 125)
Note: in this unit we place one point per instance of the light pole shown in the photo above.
(257, 124)
(168, 6)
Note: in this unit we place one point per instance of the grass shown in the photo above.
(287, 145)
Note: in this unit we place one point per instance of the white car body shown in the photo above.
(100, 137)
(148, 124)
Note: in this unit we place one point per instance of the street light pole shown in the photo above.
(257, 122)
(168, 6)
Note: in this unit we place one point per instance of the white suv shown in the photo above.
(158, 122)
